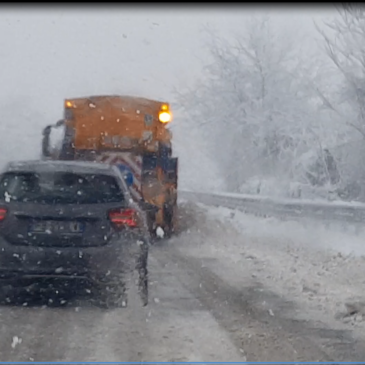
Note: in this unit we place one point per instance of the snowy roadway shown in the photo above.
(220, 292)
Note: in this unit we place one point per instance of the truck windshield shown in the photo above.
(59, 188)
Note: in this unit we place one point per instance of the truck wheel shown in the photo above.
(150, 223)
(168, 219)
(175, 226)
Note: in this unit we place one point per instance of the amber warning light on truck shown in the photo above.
(165, 115)
(68, 104)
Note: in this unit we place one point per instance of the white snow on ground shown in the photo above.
(322, 202)
(313, 236)
(318, 269)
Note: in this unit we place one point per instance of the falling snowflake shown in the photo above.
(16, 341)
(7, 197)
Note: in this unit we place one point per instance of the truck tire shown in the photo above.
(168, 213)
(150, 222)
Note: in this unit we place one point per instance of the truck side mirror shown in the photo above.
(45, 141)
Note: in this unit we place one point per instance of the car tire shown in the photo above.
(142, 269)
(111, 292)
(143, 286)
(7, 293)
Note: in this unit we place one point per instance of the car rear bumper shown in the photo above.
(67, 262)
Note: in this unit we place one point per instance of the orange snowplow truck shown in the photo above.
(130, 132)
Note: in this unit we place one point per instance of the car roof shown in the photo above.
(60, 166)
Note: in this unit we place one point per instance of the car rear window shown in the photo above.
(59, 188)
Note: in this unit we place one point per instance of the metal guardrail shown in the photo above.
(335, 211)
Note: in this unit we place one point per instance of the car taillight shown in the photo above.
(3, 212)
(124, 217)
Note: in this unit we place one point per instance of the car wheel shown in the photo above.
(143, 286)
(7, 293)
(142, 269)
(111, 292)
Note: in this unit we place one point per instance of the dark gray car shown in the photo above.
(72, 220)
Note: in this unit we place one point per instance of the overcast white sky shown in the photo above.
(52, 53)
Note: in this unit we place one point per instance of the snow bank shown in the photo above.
(322, 271)
(322, 202)
(316, 237)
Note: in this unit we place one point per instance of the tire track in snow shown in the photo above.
(23, 323)
(173, 327)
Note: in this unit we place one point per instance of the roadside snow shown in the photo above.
(314, 236)
(322, 271)
(317, 202)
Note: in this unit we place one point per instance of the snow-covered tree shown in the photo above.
(343, 98)
(251, 106)
(343, 41)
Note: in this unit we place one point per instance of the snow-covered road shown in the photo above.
(175, 327)
(226, 288)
